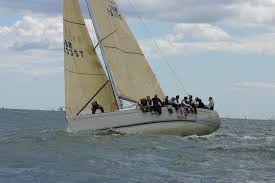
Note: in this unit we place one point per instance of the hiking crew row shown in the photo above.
(187, 105)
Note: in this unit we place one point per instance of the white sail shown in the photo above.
(85, 79)
(131, 72)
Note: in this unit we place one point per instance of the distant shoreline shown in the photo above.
(43, 110)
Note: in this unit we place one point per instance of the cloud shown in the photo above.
(257, 12)
(36, 32)
(180, 10)
(206, 32)
(35, 6)
(33, 46)
(235, 12)
(33, 33)
(33, 62)
(200, 38)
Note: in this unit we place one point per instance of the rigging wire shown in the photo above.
(158, 47)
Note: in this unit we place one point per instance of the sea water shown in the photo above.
(35, 147)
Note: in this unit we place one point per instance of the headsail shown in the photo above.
(131, 72)
(85, 79)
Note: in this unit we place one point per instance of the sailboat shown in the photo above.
(124, 77)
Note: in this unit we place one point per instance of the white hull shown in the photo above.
(135, 121)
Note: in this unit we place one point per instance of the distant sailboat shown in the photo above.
(128, 77)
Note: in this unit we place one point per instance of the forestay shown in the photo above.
(131, 72)
(85, 79)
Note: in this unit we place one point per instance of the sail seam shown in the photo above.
(82, 73)
(72, 22)
(127, 52)
(92, 98)
(104, 39)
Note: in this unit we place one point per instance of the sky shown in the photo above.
(219, 48)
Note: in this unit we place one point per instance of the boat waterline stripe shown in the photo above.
(148, 123)
(127, 52)
(73, 22)
(82, 73)
(104, 39)
(93, 97)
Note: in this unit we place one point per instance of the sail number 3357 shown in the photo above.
(68, 49)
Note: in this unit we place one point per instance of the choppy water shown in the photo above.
(34, 147)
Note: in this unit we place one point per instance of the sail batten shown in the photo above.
(132, 75)
(81, 73)
(85, 78)
(124, 51)
(74, 22)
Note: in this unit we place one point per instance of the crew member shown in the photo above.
(192, 104)
(143, 104)
(211, 104)
(177, 103)
(156, 104)
(166, 101)
(174, 104)
(199, 103)
(96, 106)
(148, 104)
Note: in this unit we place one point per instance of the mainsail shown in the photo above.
(85, 79)
(131, 72)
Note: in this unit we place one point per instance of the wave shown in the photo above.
(253, 138)
(27, 136)
(212, 137)
(14, 170)
(254, 149)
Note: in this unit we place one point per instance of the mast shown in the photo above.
(119, 102)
